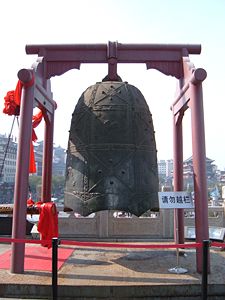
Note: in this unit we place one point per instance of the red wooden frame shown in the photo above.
(170, 59)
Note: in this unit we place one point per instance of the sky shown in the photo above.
(126, 21)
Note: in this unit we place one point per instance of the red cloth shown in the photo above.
(12, 107)
(18, 92)
(13, 98)
(48, 223)
(30, 202)
(32, 164)
(36, 120)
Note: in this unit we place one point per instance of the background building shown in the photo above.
(211, 173)
(58, 163)
(165, 168)
(8, 151)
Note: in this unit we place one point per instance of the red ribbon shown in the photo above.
(36, 120)
(110, 245)
(13, 98)
(113, 245)
(12, 107)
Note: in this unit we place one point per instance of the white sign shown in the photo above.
(175, 200)
(215, 233)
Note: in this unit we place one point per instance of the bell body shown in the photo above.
(111, 158)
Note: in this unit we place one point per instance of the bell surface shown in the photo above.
(111, 157)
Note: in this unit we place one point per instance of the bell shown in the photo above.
(111, 158)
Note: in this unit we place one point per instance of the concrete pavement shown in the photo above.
(116, 273)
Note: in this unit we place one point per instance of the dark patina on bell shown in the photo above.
(111, 159)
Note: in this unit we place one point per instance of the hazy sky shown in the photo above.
(126, 21)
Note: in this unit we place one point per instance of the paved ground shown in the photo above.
(123, 267)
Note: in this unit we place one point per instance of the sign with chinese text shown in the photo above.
(175, 200)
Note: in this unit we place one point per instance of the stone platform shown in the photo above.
(119, 273)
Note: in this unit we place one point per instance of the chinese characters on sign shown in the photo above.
(175, 200)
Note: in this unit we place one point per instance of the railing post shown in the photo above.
(55, 244)
(205, 257)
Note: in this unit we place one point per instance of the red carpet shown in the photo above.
(37, 258)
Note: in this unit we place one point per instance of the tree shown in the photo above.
(58, 183)
(57, 186)
(34, 181)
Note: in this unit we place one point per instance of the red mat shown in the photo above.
(37, 258)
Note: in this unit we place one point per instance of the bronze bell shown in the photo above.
(111, 159)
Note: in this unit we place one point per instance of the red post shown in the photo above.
(22, 172)
(48, 150)
(199, 167)
(178, 176)
(47, 159)
(112, 60)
